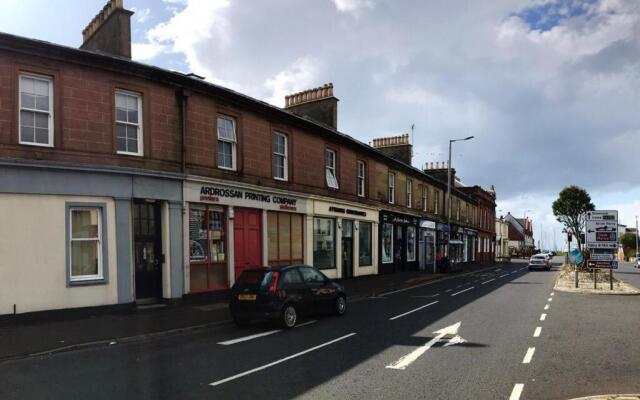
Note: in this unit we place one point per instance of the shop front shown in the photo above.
(457, 245)
(398, 242)
(470, 244)
(233, 228)
(427, 246)
(342, 239)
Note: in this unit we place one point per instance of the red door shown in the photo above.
(247, 236)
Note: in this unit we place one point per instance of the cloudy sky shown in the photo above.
(549, 88)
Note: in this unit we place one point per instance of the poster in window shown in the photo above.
(387, 243)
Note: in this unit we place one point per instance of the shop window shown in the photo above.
(387, 243)
(128, 123)
(324, 240)
(330, 166)
(227, 142)
(86, 244)
(207, 249)
(280, 167)
(411, 243)
(361, 178)
(36, 110)
(285, 238)
(365, 244)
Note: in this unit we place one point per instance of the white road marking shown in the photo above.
(412, 311)
(458, 287)
(537, 331)
(546, 306)
(499, 269)
(517, 391)
(262, 334)
(543, 317)
(447, 291)
(529, 355)
(250, 337)
(457, 339)
(549, 299)
(551, 294)
(502, 276)
(271, 364)
(490, 280)
(462, 291)
(426, 297)
(404, 361)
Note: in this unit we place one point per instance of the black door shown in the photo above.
(398, 248)
(147, 241)
(347, 248)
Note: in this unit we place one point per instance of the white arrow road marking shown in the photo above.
(412, 311)
(517, 391)
(536, 333)
(527, 357)
(405, 361)
(271, 364)
(457, 339)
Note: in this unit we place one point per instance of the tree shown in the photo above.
(628, 242)
(570, 210)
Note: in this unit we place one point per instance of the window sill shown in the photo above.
(36, 144)
(125, 153)
(227, 169)
(87, 282)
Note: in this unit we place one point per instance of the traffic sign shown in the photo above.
(601, 257)
(575, 257)
(602, 264)
(602, 229)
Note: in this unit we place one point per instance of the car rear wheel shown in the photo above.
(340, 305)
(288, 316)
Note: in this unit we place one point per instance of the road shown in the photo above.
(497, 334)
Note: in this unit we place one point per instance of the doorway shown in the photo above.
(247, 237)
(398, 249)
(147, 239)
(347, 248)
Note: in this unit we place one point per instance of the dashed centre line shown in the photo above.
(462, 291)
(543, 317)
(549, 299)
(412, 311)
(527, 357)
(502, 276)
(536, 333)
(490, 280)
(546, 306)
(517, 391)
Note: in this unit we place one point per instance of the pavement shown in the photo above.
(34, 335)
(501, 333)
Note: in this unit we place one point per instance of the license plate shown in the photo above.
(248, 297)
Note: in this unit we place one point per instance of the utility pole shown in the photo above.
(451, 141)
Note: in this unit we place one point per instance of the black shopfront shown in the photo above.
(397, 242)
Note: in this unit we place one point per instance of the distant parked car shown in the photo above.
(281, 294)
(540, 261)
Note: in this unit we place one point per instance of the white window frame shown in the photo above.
(285, 157)
(409, 193)
(425, 198)
(435, 201)
(233, 142)
(330, 169)
(392, 188)
(360, 178)
(49, 81)
(99, 239)
(138, 125)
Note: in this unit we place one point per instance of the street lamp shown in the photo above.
(636, 241)
(451, 141)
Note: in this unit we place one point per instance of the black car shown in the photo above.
(283, 293)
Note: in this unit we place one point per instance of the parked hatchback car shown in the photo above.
(540, 261)
(282, 294)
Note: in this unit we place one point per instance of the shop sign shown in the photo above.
(348, 211)
(397, 219)
(243, 198)
(427, 224)
(471, 232)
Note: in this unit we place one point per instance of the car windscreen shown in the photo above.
(255, 280)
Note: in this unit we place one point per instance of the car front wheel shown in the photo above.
(288, 316)
(340, 305)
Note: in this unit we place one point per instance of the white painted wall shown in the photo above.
(33, 255)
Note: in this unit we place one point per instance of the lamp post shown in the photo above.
(451, 141)
(636, 241)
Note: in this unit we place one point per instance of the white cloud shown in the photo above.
(141, 15)
(354, 7)
(300, 75)
(146, 51)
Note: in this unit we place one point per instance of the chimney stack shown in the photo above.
(109, 31)
(396, 147)
(319, 104)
